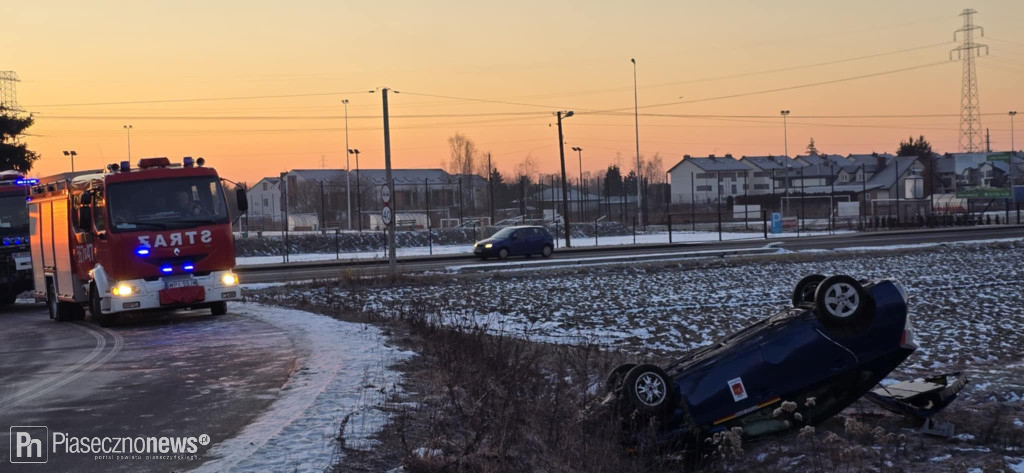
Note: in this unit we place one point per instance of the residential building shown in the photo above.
(708, 179)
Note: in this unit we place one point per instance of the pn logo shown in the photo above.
(29, 444)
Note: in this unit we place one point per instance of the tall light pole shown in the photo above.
(73, 154)
(579, 151)
(1013, 154)
(128, 128)
(636, 122)
(348, 186)
(359, 201)
(785, 143)
(565, 190)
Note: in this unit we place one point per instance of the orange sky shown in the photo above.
(537, 56)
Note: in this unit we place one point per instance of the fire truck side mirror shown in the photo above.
(86, 199)
(241, 199)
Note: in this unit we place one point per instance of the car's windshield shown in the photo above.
(13, 213)
(504, 232)
(167, 203)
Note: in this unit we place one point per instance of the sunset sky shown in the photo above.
(496, 72)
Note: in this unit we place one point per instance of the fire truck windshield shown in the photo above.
(166, 203)
(13, 213)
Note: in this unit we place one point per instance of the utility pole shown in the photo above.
(359, 200)
(565, 190)
(970, 110)
(389, 182)
(1013, 154)
(636, 122)
(579, 151)
(348, 185)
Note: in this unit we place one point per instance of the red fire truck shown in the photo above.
(129, 239)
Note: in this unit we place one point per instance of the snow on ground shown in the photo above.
(344, 372)
(965, 304)
(646, 238)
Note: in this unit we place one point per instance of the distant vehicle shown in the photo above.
(522, 240)
(153, 237)
(841, 338)
(15, 258)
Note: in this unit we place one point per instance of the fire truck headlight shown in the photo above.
(229, 279)
(122, 290)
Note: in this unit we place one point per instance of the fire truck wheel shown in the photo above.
(104, 320)
(219, 308)
(59, 311)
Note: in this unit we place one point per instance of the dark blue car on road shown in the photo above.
(841, 338)
(511, 241)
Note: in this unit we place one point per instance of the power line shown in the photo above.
(206, 99)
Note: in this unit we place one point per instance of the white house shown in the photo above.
(706, 180)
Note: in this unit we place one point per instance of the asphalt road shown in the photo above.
(180, 374)
(331, 269)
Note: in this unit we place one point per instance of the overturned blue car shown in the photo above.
(841, 338)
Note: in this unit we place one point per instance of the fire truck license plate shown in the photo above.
(180, 283)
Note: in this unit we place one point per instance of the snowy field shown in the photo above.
(966, 302)
(646, 238)
(339, 384)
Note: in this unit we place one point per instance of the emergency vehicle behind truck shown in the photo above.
(157, 236)
(15, 260)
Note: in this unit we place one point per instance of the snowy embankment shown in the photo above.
(343, 373)
(645, 238)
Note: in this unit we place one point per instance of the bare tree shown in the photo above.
(462, 154)
(527, 167)
(654, 169)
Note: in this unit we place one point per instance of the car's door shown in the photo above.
(536, 241)
(516, 242)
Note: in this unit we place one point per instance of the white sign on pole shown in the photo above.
(385, 194)
(385, 215)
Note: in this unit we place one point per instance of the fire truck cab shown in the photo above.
(15, 262)
(157, 236)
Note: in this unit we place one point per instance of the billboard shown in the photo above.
(983, 176)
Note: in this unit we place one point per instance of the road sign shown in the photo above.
(385, 215)
(776, 222)
(385, 194)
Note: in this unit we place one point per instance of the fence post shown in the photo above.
(764, 221)
(634, 230)
(670, 228)
(337, 247)
(719, 206)
(595, 230)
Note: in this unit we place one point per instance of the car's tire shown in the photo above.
(104, 320)
(647, 390)
(803, 292)
(503, 253)
(8, 299)
(614, 380)
(219, 308)
(841, 301)
(546, 252)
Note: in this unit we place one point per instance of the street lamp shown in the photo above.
(579, 151)
(348, 191)
(565, 190)
(128, 128)
(1013, 154)
(636, 122)
(785, 142)
(359, 204)
(72, 154)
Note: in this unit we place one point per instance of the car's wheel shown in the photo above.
(503, 253)
(615, 376)
(546, 252)
(803, 292)
(841, 301)
(104, 320)
(219, 308)
(8, 299)
(648, 390)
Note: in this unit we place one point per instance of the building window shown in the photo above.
(703, 188)
(705, 175)
(761, 187)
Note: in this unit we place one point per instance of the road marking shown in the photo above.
(73, 372)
